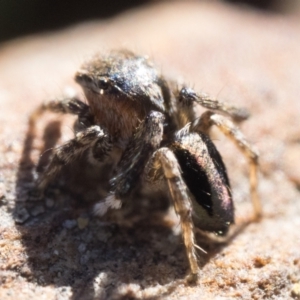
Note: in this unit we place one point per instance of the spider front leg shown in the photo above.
(187, 96)
(209, 119)
(132, 163)
(165, 160)
(70, 151)
(72, 106)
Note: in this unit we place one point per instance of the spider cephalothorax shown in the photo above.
(161, 144)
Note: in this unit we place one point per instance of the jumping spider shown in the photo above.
(146, 127)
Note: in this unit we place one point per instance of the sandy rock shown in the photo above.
(248, 58)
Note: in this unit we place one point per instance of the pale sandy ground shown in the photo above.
(248, 58)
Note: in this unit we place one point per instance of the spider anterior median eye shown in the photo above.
(103, 84)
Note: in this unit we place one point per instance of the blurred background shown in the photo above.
(19, 18)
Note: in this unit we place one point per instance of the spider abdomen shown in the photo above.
(205, 176)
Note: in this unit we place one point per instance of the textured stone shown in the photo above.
(247, 58)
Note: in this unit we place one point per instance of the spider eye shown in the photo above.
(103, 84)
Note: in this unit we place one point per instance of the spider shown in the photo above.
(147, 129)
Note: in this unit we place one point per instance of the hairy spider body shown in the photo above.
(148, 129)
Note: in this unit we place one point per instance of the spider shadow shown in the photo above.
(63, 252)
(66, 247)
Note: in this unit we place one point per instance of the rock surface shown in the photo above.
(60, 252)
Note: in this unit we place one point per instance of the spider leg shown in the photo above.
(228, 128)
(188, 96)
(72, 106)
(69, 152)
(132, 163)
(146, 140)
(164, 160)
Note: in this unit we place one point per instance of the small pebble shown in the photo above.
(69, 224)
(85, 258)
(82, 248)
(21, 215)
(82, 222)
(296, 290)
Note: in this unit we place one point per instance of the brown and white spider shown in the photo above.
(147, 129)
